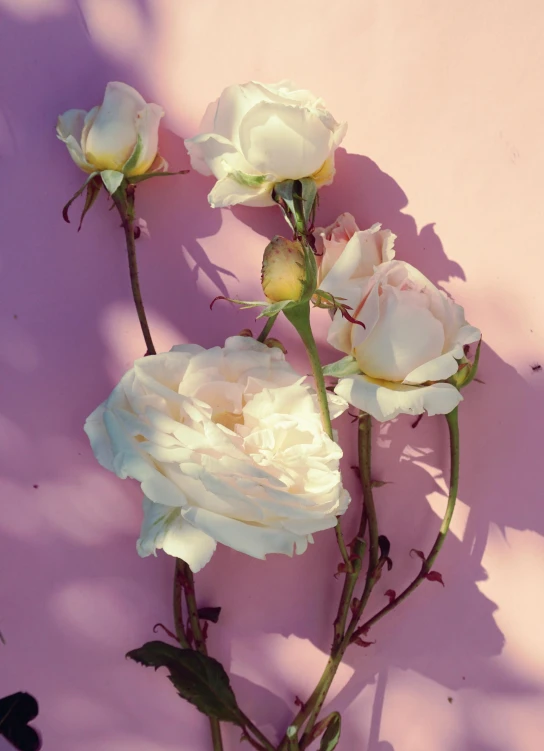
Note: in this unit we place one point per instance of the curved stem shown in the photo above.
(453, 425)
(124, 201)
(267, 328)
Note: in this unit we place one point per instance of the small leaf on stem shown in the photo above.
(419, 553)
(385, 546)
(434, 576)
(209, 614)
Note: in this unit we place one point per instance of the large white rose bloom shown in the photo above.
(256, 135)
(228, 446)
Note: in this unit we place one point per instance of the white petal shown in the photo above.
(99, 438)
(166, 529)
(113, 134)
(405, 336)
(69, 130)
(384, 400)
(147, 127)
(229, 192)
(214, 154)
(251, 539)
(288, 142)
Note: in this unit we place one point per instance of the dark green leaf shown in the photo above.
(331, 736)
(199, 679)
(76, 195)
(140, 178)
(93, 189)
(209, 614)
(16, 711)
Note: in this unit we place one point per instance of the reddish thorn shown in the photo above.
(354, 605)
(205, 631)
(417, 420)
(350, 318)
(299, 702)
(419, 553)
(215, 299)
(391, 594)
(166, 630)
(361, 643)
(434, 576)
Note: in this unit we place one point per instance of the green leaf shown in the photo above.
(93, 189)
(132, 161)
(76, 195)
(148, 175)
(331, 736)
(112, 179)
(345, 367)
(199, 679)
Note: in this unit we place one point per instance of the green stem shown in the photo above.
(312, 707)
(267, 328)
(299, 316)
(453, 425)
(188, 584)
(124, 201)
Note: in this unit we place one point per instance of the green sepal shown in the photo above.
(345, 367)
(134, 179)
(298, 199)
(76, 195)
(276, 307)
(198, 679)
(132, 161)
(331, 736)
(250, 181)
(112, 179)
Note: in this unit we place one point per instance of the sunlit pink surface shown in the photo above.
(445, 146)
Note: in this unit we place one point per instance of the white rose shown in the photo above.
(228, 446)
(412, 342)
(121, 135)
(256, 135)
(347, 254)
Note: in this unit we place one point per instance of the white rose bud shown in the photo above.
(121, 135)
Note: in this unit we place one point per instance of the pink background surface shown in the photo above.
(445, 147)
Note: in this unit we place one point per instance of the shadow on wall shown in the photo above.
(57, 351)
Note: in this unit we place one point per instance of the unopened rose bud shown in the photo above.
(282, 274)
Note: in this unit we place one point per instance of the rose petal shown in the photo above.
(229, 192)
(112, 136)
(288, 142)
(385, 400)
(147, 127)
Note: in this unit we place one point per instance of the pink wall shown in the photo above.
(445, 146)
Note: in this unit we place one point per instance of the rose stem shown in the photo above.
(299, 316)
(453, 424)
(124, 201)
(318, 696)
(267, 328)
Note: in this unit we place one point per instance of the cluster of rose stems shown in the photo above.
(192, 636)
